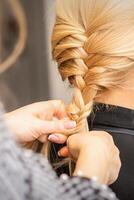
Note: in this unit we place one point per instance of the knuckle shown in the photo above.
(106, 136)
(60, 102)
(109, 137)
(117, 151)
(57, 103)
(59, 125)
(119, 164)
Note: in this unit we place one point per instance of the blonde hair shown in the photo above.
(93, 44)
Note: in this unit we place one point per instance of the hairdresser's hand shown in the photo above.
(38, 120)
(96, 155)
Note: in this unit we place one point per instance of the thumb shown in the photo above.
(58, 126)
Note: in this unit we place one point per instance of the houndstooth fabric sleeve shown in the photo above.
(79, 188)
(25, 175)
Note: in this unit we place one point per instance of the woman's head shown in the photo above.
(94, 47)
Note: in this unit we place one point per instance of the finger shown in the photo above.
(48, 127)
(57, 138)
(64, 152)
(59, 109)
(43, 138)
(49, 108)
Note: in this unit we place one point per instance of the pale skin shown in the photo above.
(37, 121)
(95, 155)
(123, 96)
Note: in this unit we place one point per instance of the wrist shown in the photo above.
(92, 162)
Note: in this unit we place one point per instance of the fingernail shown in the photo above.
(59, 154)
(54, 138)
(69, 124)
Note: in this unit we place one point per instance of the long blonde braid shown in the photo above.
(91, 49)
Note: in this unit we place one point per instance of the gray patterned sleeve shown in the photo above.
(25, 175)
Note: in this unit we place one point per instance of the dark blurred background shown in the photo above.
(34, 77)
